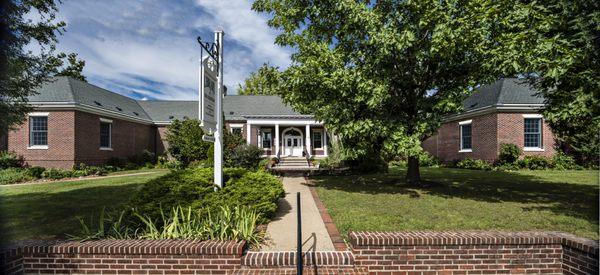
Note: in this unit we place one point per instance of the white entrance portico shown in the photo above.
(287, 136)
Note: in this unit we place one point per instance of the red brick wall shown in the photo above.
(61, 142)
(128, 139)
(488, 132)
(473, 253)
(511, 128)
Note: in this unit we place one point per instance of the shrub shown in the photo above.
(194, 187)
(562, 161)
(14, 175)
(36, 171)
(78, 173)
(509, 153)
(264, 164)
(474, 164)
(246, 156)
(427, 160)
(10, 159)
(185, 141)
(398, 163)
(535, 163)
(508, 167)
(55, 174)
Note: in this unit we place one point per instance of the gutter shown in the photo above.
(521, 108)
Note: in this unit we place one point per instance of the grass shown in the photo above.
(459, 199)
(49, 211)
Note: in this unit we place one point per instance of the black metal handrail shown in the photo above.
(306, 156)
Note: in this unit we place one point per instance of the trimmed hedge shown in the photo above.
(194, 187)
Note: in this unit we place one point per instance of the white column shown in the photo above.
(277, 139)
(248, 132)
(325, 150)
(308, 139)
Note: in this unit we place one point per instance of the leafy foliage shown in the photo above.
(535, 163)
(21, 70)
(562, 161)
(555, 44)
(474, 164)
(36, 171)
(509, 153)
(10, 159)
(396, 67)
(58, 66)
(185, 141)
(245, 156)
(55, 174)
(14, 175)
(194, 187)
(265, 81)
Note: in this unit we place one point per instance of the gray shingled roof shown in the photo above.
(70, 90)
(168, 110)
(503, 91)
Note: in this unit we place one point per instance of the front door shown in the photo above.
(293, 146)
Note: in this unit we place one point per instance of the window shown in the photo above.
(317, 140)
(533, 133)
(266, 139)
(465, 137)
(236, 130)
(38, 131)
(105, 135)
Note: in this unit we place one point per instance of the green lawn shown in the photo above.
(49, 211)
(460, 199)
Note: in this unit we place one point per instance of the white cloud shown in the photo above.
(149, 49)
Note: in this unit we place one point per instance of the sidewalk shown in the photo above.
(282, 230)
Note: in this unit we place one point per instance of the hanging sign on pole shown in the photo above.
(211, 99)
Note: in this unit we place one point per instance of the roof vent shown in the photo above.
(473, 105)
(231, 113)
(119, 108)
(135, 113)
(98, 103)
(171, 117)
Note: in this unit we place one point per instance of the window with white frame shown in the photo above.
(533, 133)
(317, 139)
(38, 130)
(105, 134)
(236, 129)
(466, 143)
(266, 138)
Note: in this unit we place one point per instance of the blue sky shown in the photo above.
(148, 50)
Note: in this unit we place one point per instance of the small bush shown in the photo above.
(509, 153)
(474, 164)
(562, 161)
(78, 173)
(508, 167)
(535, 163)
(246, 156)
(194, 187)
(10, 160)
(14, 175)
(36, 172)
(264, 164)
(427, 160)
(55, 174)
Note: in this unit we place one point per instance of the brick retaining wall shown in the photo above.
(474, 253)
(371, 253)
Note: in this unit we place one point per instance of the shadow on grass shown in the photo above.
(45, 215)
(575, 200)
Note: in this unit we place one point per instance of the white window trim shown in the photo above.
(470, 121)
(38, 147)
(313, 140)
(110, 122)
(460, 134)
(533, 149)
(532, 116)
(236, 126)
(39, 114)
(536, 149)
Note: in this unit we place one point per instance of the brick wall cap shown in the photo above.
(140, 247)
(411, 238)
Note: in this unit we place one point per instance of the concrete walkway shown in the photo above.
(281, 232)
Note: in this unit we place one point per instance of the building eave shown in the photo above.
(499, 108)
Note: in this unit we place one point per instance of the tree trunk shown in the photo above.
(413, 175)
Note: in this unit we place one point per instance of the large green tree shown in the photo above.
(556, 44)
(381, 74)
(21, 70)
(264, 81)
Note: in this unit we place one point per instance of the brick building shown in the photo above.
(76, 122)
(507, 111)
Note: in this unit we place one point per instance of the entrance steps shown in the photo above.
(293, 164)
